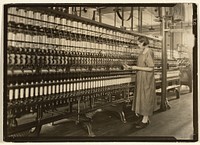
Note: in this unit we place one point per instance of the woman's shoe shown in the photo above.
(142, 125)
(138, 120)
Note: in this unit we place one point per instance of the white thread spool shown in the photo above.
(37, 16)
(53, 87)
(44, 18)
(51, 20)
(16, 93)
(36, 89)
(45, 88)
(64, 23)
(49, 88)
(10, 93)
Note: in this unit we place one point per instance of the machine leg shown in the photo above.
(89, 128)
(177, 90)
(91, 114)
(36, 130)
(122, 116)
(165, 106)
(85, 121)
(118, 108)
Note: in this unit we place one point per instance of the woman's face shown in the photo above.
(140, 44)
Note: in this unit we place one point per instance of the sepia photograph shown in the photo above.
(100, 72)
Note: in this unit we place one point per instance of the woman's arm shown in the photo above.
(142, 68)
(138, 68)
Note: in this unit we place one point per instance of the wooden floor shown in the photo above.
(176, 122)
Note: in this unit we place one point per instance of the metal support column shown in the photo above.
(100, 19)
(132, 19)
(80, 12)
(181, 35)
(139, 20)
(115, 16)
(122, 17)
(172, 36)
(164, 104)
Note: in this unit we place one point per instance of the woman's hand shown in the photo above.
(125, 66)
(130, 67)
(134, 67)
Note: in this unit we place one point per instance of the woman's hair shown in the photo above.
(142, 39)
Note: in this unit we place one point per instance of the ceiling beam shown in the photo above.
(109, 10)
